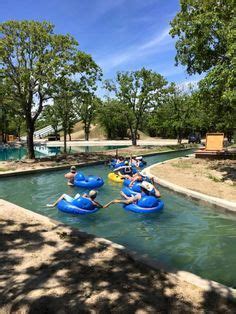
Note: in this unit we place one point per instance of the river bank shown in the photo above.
(63, 160)
(48, 267)
(215, 178)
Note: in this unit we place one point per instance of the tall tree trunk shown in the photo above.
(180, 137)
(55, 131)
(5, 127)
(64, 137)
(86, 132)
(18, 132)
(134, 137)
(30, 138)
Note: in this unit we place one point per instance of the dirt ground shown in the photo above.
(212, 177)
(63, 160)
(47, 268)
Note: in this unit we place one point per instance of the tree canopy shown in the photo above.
(138, 92)
(204, 31)
(33, 59)
(205, 43)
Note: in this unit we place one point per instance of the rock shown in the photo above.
(229, 182)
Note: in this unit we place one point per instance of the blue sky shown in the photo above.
(119, 34)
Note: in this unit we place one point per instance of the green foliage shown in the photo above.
(217, 100)
(112, 118)
(178, 116)
(205, 31)
(63, 110)
(33, 61)
(138, 92)
(50, 117)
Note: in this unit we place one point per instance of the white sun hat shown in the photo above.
(93, 193)
(147, 186)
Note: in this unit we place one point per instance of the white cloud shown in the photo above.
(162, 38)
(157, 44)
(185, 85)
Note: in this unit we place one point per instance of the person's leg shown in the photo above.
(124, 195)
(63, 196)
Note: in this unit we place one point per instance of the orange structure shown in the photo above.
(214, 147)
(214, 141)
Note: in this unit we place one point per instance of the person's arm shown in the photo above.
(112, 202)
(157, 192)
(117, 201)
(69, 175)
(97, 204)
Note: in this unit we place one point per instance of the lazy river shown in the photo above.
(186, 235)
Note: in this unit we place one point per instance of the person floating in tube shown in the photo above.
(147, 189)
(70, 176)
(91, 196)
(125, 171)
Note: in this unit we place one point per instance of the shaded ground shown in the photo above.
(212, 177)
(47, 268)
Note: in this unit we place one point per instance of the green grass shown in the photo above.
(6, 169)
(214, 178)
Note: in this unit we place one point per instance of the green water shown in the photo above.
(185, 235)
(17, 153)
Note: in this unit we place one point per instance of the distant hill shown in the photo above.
(96, 133)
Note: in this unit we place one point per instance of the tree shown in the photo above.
(206, 44)
(177, 116)
(204, 31)
(50, 117)
(10, 120)
(64, 106)
(217, 102)
(32, 60)
(86, 105)
(112, 117)
(138, 92)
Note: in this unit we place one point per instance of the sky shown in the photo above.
(121, 35)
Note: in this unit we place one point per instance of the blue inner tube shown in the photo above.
(89, 182)
(146, 205)
(129, 191)
(114, 165)
(81, 206)
(141, 164)
(134, 189)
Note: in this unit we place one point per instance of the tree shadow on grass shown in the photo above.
(72, 273)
